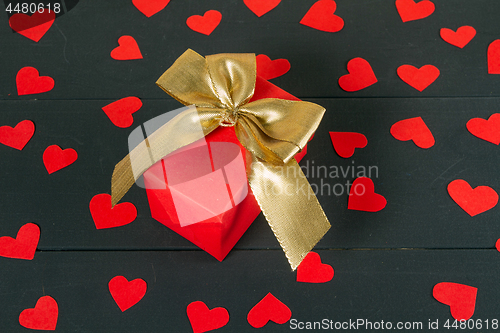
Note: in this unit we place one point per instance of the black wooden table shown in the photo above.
(386, 263)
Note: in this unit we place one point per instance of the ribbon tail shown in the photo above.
(122, 180)
(290, 207)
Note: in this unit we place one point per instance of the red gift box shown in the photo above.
(201, 191)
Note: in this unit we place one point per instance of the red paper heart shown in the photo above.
(473, 201)
(494, 57)
(313, 271)
(460, 38)
(120, 112)
(409, 10)
(418, 78)
(268, 309)
(362, 196)
(34, 26)
(269, 69)
(127, 293)
(460, 297)
(24, 245)
(203, 320)
(413, 129)
(150, 7)
(344, 143)
(55, 158)
(360, 75)
(29, 82)
(42, 317)
(497, 245)
(204, 24)
(261, 7)
(18, 136)
(106, 217)
(488, 130)
(128, 49)
(321, 17)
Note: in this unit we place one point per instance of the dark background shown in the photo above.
(386, 263)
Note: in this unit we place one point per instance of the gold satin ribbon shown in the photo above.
(272, 130)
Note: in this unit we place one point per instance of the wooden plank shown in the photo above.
(419, 212)
(76, 49)
(386, 263)
(393, 286)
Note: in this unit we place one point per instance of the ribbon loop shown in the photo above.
(233, 77)
(189, 82)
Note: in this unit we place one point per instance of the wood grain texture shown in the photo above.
(372, 285)
(76, 50)
(419, 213)
(386, 263)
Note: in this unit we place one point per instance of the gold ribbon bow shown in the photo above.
(272, 130)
